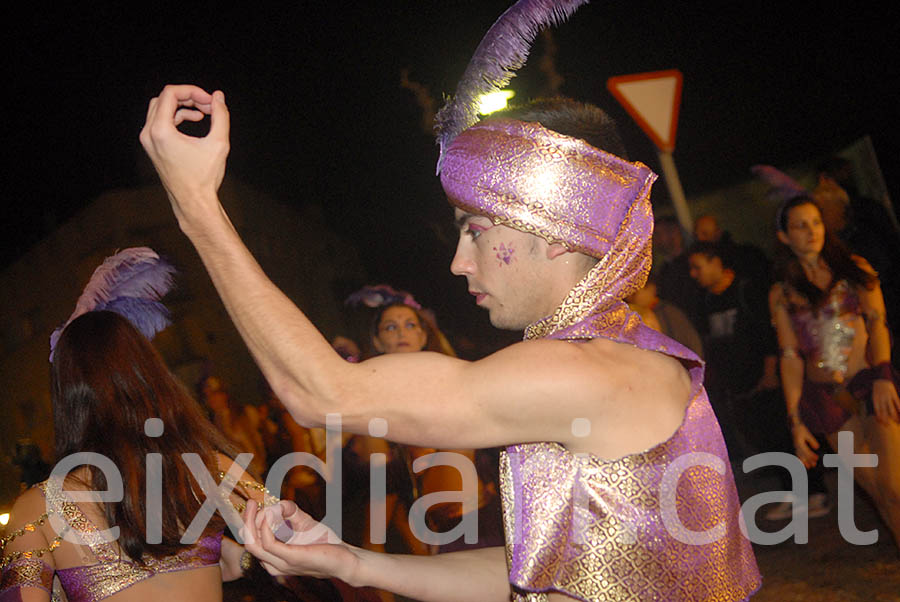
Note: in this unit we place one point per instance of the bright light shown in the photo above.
(4, 519)
(495, 101)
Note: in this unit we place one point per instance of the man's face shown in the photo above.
(707, 229)
(707, 271)
(506, 271)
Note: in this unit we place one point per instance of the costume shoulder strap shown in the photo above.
(79, 528)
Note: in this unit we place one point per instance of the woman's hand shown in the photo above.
(805, 444)
(312, 549)
(885, 401)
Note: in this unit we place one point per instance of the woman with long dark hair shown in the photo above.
(836, 368)
(401, 325)
(136, 460)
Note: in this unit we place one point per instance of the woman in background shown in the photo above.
(400, 325)
(836, 368)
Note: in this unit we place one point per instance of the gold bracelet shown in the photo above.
(246, 561)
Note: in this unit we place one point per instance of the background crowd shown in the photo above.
(740, 310)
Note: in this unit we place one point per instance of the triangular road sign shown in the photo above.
(652, 99)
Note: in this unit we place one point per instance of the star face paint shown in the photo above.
(501, 277)
(505, 253)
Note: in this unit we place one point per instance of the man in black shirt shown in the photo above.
(738, 339)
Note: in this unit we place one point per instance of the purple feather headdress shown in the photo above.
(379, 295)
(130, 283)
(502, 51)
(782, 187)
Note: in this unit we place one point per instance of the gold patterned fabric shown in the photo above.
(595, 529)
(603, 530)
(538, 181)
(112, 572)
(659, 525)
(25, 572)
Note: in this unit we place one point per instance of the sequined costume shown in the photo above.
(111, 574)
(657, 525)
(825, 338)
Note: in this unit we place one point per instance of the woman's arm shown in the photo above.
(878, 348)
(26, 564)
(232, 555)
(792, 374)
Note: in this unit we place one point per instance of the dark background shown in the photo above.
(319, 116)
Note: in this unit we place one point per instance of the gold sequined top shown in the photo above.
(662, 524)
(112, 572)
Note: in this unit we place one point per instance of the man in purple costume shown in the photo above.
(616, 483)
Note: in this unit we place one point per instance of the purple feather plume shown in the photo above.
(502, 51)
(783, 186)
(130, 283)
(379, 295)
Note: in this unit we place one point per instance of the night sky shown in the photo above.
(319, 116)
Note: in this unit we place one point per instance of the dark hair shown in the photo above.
(570, 118)
(713, 249)
(106, 380)
(834, 253)
(432, 341)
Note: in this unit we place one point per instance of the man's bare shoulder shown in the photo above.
(601, 362)
(634, 398)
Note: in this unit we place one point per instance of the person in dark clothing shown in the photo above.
(749, 261)
(742, 368)
(737, 337)
(28, 459)
(864, 225)
(671, 270)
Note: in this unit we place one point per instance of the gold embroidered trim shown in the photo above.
(268, 498)
(26, 528)
(29, 528)
(7, 560)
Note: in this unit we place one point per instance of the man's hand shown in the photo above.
(885, 401)
(191, 169)
(307, 552)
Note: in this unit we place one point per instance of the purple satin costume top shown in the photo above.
(662, 524)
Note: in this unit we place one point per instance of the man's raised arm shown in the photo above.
(515, 395)
(191, 170)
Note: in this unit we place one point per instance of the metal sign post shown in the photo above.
(653, 99)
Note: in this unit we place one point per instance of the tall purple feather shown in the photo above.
(502, 51)
(130, 283)
(783, 186)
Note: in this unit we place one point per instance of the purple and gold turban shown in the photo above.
(532, 179)
(560, 188)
